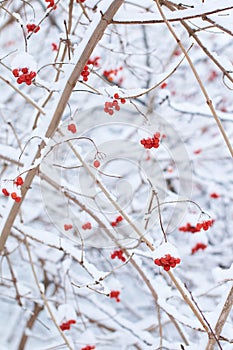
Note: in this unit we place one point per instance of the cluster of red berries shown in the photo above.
(89, 347)
(188, 228)
(152, 142)
(23, 75)
(118, 254)
(72, 128)
(85, 73)
(116, 222)
(198, 246)
(18, 182)
(112, 72)
(66, 325)
(205, 225)
(68, 227)
(51, 4)
(32, 28)
(167, 262)
(115, 295)
(87, 226)
(94, 61)
(108, 106)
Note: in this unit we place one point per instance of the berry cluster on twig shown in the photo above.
(118, 254)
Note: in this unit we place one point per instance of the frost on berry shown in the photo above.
(166, 256)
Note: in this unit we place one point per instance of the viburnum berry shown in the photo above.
(51, 4)
(87, 226)
(85, 73)
(151, 142)
(197, 151)
(89, 347)
(96, 163)
(163, 85)
(5, 192)
(19, 181)
(198, 246)
(68, 227)
(94, 61)
(66, 325)
(80, 1)
(32, 28)
(118, 254)
(115, 295)
(15, 197)
(167, 262)
(213, 75)
(214, 195)
(205, 225)
(110, 106)
(23, 75)
(118, 219)
(189, 228)
(54, 47)
(109, 74)
(72, 128)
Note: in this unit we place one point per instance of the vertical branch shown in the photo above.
(222, 319)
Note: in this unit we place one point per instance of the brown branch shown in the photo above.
(178, 19)
(221, 320)
(37, 309)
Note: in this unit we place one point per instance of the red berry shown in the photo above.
(96, 163)
(19, 181)
(14, 195)
(15, 72)
(119, 218)
(68, 227)
(72, 128)
(5, 192)
(163, 85)
(116, 96)
(214, 195)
